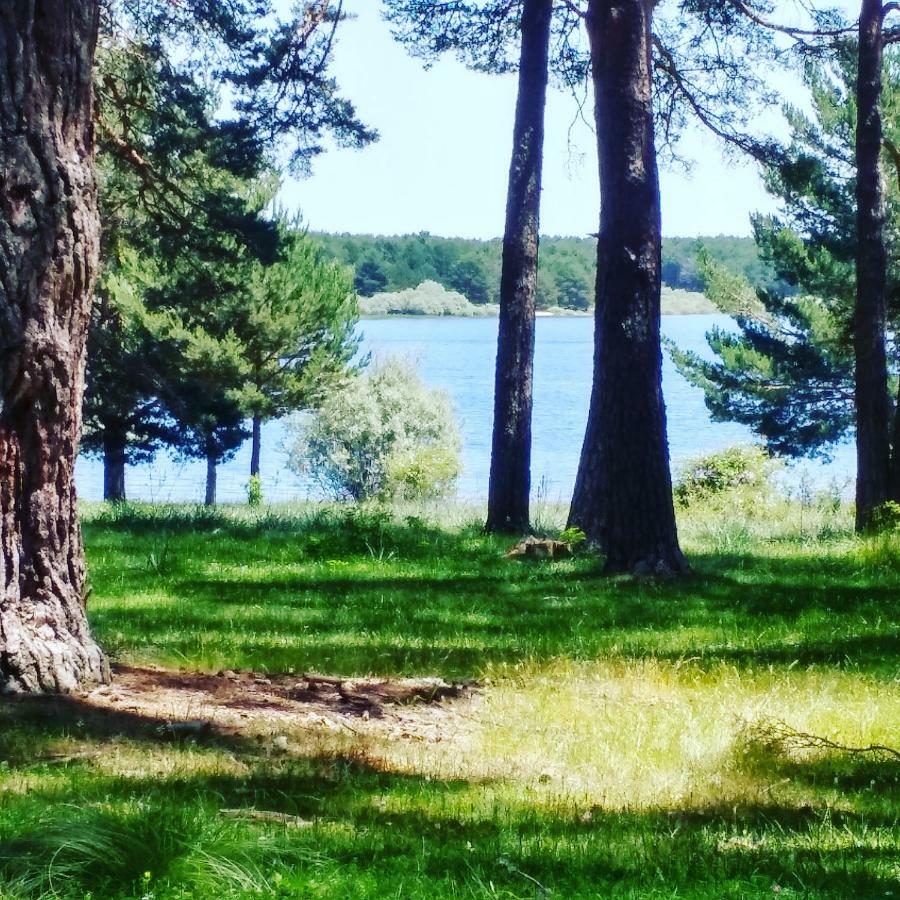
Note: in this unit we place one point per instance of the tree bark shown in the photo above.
(212, 459)
(510, 477)
(115, 443)
(255, 446)
(49, 240)
(872, 402)
(894, 475)
(623, 492)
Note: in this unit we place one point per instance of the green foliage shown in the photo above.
(188, 276)
(428, 299)
(382, 435)
(296, 324)
(254, 491)
(736, 468)
(423, 473)
(886, 517)
(573, 536)
(788, 371)
(566, 265)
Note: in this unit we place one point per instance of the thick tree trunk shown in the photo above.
(623, 492)
(255, 446)
(212, 459)
(510, 478)
(872, 401)
(115, 444)
(49, 239)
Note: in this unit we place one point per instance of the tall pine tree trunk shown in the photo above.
(212, 459)
(872, 402)
(894, 478)
(623, 492)
(49, 240)
(115, 443)
(255, 446)
(510, 478)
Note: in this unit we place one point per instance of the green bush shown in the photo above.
(254, 491)
(428, 299)
(726, 471)
(384, 435)
(886, 517)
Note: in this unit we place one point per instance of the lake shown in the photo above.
(458, 356)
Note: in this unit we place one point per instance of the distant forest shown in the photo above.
(565, 277)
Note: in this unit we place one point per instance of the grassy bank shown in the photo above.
(627, 739)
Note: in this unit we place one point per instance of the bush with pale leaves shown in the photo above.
(383, 435)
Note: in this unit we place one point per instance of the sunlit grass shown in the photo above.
(612, 750)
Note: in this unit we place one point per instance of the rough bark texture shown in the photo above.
(255, 446)
(872, 402)
(623, 492)
(49, 238)
(510, 478)
(114, 454)
(211, 461)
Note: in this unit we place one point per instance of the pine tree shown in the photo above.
(789, 371)
(296, 327)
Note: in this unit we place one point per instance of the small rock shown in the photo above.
(281, 743)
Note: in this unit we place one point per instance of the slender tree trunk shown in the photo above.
(510, 478)
(894, 477)
(623, 492)
(212, 459)
(255, 446)
(49, 239)
(115, 445)
(872, 402)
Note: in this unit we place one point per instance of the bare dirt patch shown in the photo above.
(250, 705)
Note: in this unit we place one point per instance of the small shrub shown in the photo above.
(254, 491)
(722, 472)
(885, 517)
(573, 536)
(385, 435)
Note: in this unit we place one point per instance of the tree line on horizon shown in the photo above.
(566, 269)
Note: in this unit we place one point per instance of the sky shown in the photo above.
(441, 162)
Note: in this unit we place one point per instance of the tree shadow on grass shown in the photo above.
(53, 730)
(454, 624)
(444, 837)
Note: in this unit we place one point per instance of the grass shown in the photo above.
(617, 747)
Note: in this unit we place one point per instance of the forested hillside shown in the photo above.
(566, 275)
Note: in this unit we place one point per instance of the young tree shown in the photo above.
(297, 330)
(49, 244)
(125, 421)
(623, 491)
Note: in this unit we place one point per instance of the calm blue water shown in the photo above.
(458, 355)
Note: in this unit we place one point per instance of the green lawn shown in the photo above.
(622, 742)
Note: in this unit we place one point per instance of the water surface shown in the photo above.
(458, 356)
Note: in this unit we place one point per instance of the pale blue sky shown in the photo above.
(442, 160)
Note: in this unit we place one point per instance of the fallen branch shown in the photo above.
(261, 815)
(779, 736)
